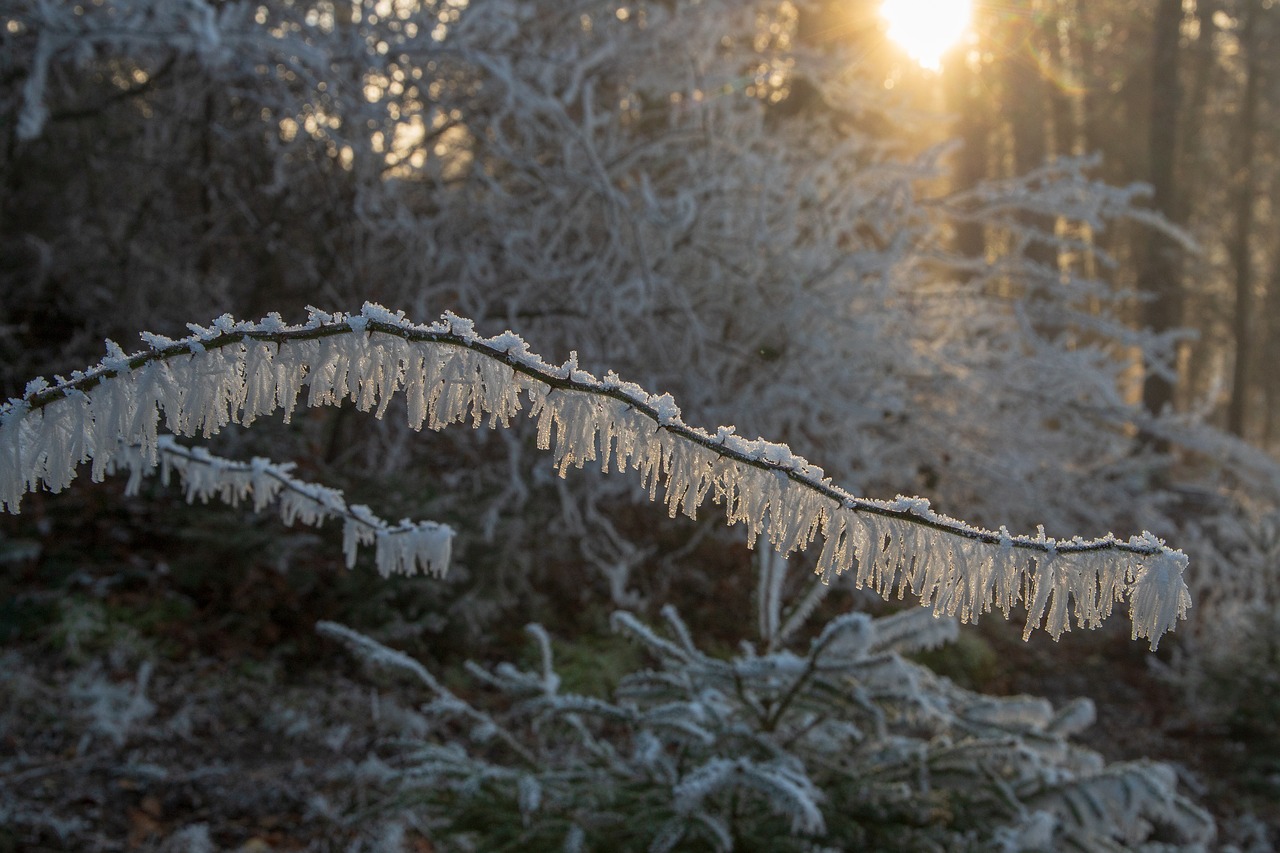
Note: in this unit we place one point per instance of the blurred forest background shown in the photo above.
(1039, 285)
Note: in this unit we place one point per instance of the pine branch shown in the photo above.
(377, 654)
(233, 372)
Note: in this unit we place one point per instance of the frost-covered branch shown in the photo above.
(403, 548)
(235, 372)
(445, 701)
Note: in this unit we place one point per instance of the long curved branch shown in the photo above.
(234, 371)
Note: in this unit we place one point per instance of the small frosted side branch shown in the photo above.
(234, 372)
(404, 548)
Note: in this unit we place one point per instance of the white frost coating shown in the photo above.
(778, 780)
(235, 372)
(1150, 595)
(404, 548)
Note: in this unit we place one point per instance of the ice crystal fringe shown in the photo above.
(404, 548)
(236, 372)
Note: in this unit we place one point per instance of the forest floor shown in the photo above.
(141, 713)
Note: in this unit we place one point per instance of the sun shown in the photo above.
(926, 29)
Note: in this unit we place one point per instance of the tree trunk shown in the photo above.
(972, 127)
(1026, 94)
(1197, 164)
(1160, 264)
(1058, 27)
(1271, 353)
(1243, 202)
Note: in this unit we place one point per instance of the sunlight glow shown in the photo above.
(926, 29)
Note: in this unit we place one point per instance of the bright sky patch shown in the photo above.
(926, 29)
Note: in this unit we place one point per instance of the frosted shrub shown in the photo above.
(113, 709)
(843, 744)
(1229, 672)
(760, 228)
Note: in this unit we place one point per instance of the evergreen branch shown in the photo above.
(448, 373)
(375, 653)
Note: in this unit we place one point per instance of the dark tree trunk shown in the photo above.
(1026, 94)
(1058, 34)
(1243, 202)
(1271, 353)
(1160, 264)
(1198, 163)
(972, 128)
(1190, 145)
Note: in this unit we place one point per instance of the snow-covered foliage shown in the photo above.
(114, 709)
(685, 192)
(688, 193)
(843, 745)
(236, 372)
